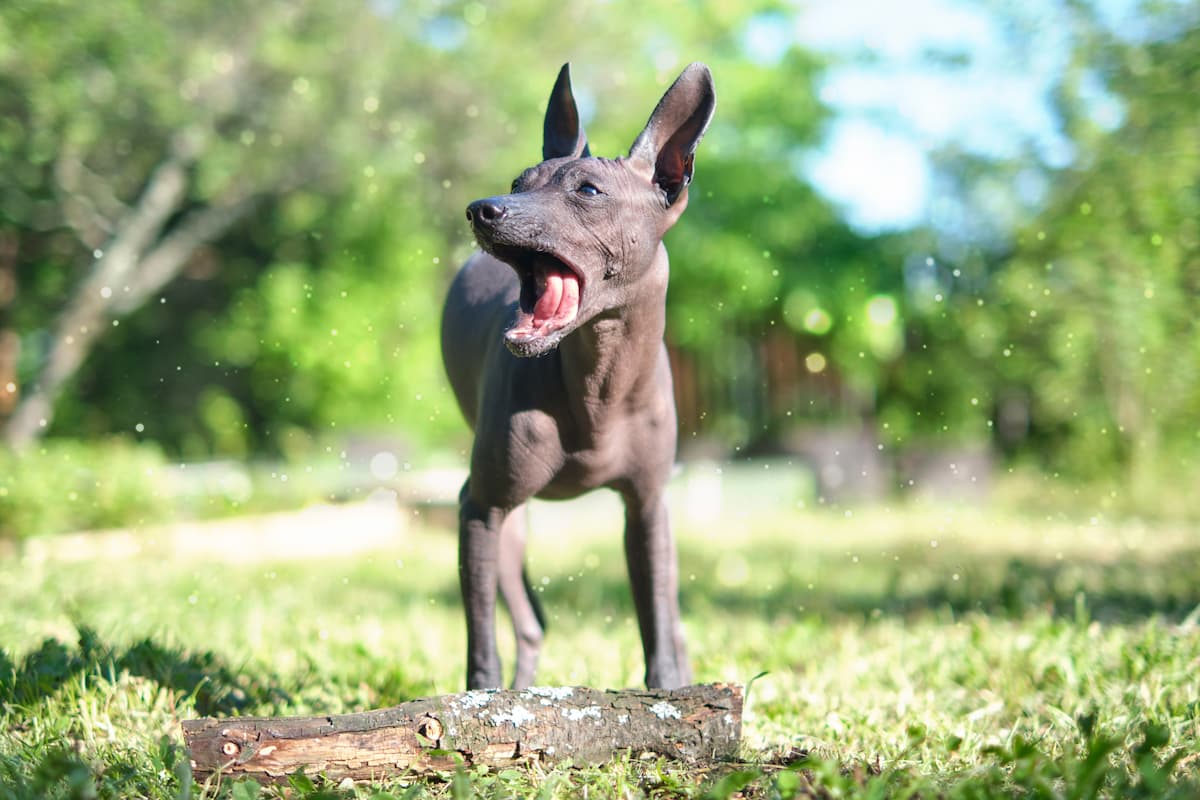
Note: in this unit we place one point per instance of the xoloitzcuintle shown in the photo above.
(552, 339)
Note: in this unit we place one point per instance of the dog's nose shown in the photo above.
(485, 211)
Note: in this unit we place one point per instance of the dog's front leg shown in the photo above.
(478, 577)
(653, 574)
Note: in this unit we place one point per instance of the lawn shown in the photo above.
(907, 650)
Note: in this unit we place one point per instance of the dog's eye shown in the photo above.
(588, 190)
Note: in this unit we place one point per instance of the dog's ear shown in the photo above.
(668, 142)
(562, 133)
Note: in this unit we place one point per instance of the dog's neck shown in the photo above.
(610, 363)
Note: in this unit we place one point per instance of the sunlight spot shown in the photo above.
(881, 310)
(818, 321)
(384, 465)
(732, 570)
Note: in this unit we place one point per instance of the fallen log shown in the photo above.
(497, 728)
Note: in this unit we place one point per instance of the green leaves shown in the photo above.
(360, 133)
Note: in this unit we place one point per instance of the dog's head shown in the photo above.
(581, 231)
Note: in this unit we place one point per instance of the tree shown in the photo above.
(1072, 331)
(240, 222)
(1105, 285)
(148, 133)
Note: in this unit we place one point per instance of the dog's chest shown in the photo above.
(586, 469)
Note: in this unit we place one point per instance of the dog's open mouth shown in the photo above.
(548, 304)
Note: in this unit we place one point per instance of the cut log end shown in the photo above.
(496, 729)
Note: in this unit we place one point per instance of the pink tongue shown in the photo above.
(547, 304)
(560, 298)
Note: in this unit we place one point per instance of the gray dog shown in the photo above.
(552, 338)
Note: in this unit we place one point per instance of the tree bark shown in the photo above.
(10, 342)
(489, 728)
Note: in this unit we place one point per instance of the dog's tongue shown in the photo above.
(559, 298)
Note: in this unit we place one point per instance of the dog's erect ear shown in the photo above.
(669, 140)
(562, 134)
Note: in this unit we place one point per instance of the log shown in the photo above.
(497, 729)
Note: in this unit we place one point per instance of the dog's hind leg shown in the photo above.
(527, 618)
(653, 575)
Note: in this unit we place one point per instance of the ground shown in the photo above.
(969, 651)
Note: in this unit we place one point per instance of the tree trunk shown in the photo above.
(10, 342)
(490, 728)
(142, 257)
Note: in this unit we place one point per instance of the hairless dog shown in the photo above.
(552, 338)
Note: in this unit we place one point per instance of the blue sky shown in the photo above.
(896, 106)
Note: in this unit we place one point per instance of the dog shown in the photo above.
(552, 339)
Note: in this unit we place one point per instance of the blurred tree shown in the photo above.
(1070, 332)
(134, 137)
(765, 272)
(285, 183)
(1104, 288)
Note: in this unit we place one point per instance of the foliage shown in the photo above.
(1102, 290)
(1012, 659)
(62, 485)
(1074, 339)
(343, 140)
(279, 107)
(317, 311)
(66, 486)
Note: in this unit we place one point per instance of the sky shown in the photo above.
(893, 111)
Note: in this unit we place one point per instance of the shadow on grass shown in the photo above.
(905, 583)
(914, 582)
(218, 689)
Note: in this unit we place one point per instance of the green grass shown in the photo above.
(909, 652)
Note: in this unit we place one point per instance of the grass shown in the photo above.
(909, 652)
